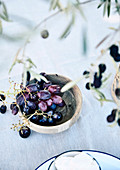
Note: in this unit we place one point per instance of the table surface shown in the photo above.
(64, 57)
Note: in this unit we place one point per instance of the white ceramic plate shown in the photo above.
(106, 161)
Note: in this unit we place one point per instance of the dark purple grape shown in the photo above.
(117, 92)
(110, 118)
(33, 97)
(102, 68)
(31, 104)
(56, 99)
(34, 118)
(3, 109)
(43, 120)
(44, 95)
(113, 50)
(26, 96)
(55, 89)
(12, 105)
(32, 88)
(62, 104)
(2, 97)
(50, 113)
(42, 105)
(46, 85)
(51, 121)
(21, 86)
(20, 100)
(49, 102)
(26, 110)
(53, 106)
(24, 132)
(57, 116)
(15, 110)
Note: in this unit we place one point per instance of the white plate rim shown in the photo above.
(105, 153)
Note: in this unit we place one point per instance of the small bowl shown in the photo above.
(73, 100)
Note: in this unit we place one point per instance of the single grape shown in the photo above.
(12, 105)
(110, 118)
(46, 85)
(15, 110)
(24, 132)
(50, 113)
(55, 89)
(2, 97)
(33, 97)
(20, 100)
(26, 110)
(49, 102)
(34, 118)
(32, 88)
(113, 50)
(43, 120)
(56, 99)
(117, 92)
(3, 109)
(53, 106)
(32, 105)
(44, 95)
(51, 121)
(62, 104)
(102, 68)
(42, 105)
(26, 96)
(57, 116)
(44, 34)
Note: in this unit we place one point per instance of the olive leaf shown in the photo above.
(15, 60)
(100, 96)
(68, 28)
(37, 76)
(106, 78)
(54, 4)
(80, 10)
(69, 85)
(108, 7)
(4, 13)
(31, 62)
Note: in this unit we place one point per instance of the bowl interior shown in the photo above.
(69, 97)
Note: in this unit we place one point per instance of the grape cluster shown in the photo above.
(114, 52)
(112, 117)
(38, 102)
(97, 79)
(3, 107)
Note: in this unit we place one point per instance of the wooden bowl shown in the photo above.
(71, 111)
